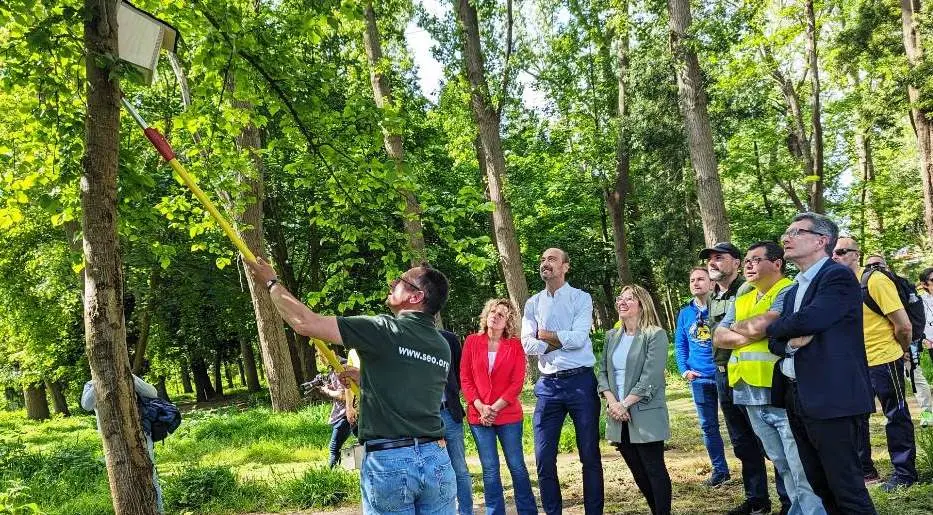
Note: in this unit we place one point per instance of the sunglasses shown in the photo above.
(843, 252)
(400, 280)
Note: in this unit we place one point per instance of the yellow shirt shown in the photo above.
(880, 344)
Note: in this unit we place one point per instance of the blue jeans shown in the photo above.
(338, 436)
(510, 436)
(747, 447)
(557, 397)
(453, 433)
(706, 399)
(409, 480)
(773, 428)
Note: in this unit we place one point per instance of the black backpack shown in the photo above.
(159, 417)
(912, 302)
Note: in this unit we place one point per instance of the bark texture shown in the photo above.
(487, 121)
(693, 105)
(382, 94)
(37, 403)
(816, 181)
(129, 468)
(59, 402)
(276, 357)
(923, 125)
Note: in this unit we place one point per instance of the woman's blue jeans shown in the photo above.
(510, 437)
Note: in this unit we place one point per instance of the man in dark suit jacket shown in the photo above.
(822, 380)
(452, 414)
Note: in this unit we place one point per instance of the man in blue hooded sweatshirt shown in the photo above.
(693, 347)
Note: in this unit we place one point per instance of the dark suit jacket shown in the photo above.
(832, 370)
(452, 390)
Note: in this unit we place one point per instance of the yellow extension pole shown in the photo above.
(165, 150)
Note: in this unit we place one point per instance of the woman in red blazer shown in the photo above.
(492, 373)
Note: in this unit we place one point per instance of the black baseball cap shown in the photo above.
(723, 247)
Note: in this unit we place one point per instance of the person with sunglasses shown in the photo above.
(693, 350)
(406, 364)
(887, 335)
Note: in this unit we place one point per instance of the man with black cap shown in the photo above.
(723, 260)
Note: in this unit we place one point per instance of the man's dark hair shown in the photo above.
(773, 251)
(435, 287)
(824, 225)
(925, 274)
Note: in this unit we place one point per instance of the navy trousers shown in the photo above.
(557, 397)
(828, 451)
(887, 381)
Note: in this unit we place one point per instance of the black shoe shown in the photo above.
(752, 507)
(894, 484)
(716, 480)
(872, 478)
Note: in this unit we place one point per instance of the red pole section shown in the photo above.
(162, 146)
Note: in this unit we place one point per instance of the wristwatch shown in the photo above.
(271, 282)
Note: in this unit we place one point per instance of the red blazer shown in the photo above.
(506, 380)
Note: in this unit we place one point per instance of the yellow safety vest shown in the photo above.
(754, 363)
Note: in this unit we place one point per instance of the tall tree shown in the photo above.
(817, 179)
(487, 120)
(693, 105)
(392, 138)
(922, 123)
(276, 356)
(129, 468)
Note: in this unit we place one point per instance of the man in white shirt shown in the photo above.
(926, 294)
(556, 328)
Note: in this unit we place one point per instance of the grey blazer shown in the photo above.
(644, 376)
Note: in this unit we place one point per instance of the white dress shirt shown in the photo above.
(569, 313)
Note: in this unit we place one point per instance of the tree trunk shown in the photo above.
(816, 180)
(382, 94)
(129, 468)
(14, 400)
(487, 121)
(186, 377)
(249, 365)
(693, 105)
(59, 402)
(202, 382)
(162, 390)
(294, 356)
(276, 358)
(617, 197)
(308, 357)
(218, 374)
(923, 125)
(145, 322)
(37, 404)
(229, 375)
(239, 365)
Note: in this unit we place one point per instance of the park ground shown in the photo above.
(237, 457)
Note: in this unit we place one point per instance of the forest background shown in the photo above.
(629, 133)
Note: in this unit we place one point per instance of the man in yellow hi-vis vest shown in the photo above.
(751, 367)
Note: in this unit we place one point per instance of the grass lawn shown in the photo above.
(242, 458)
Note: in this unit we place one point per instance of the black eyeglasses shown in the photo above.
(843, 252)
(396, 282)
(755, 260)
(793, 233)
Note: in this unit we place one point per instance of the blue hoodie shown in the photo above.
(693, 342)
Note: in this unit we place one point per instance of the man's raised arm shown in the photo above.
(304, 321)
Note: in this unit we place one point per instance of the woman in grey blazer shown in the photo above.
(631, 378)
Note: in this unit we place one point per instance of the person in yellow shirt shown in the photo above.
(887, 339)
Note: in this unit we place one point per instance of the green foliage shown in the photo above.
(16, 500)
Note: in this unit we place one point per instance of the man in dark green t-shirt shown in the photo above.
(405, 364)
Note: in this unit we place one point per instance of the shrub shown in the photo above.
(16, 500)
(320, 487)
(197, 486)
